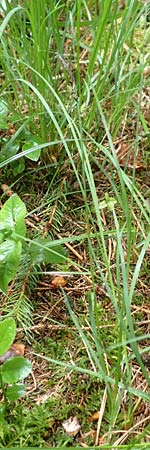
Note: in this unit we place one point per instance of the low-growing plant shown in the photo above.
(13, 242)
(14, 369)
(10, 147)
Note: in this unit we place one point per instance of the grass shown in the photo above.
(75, 82)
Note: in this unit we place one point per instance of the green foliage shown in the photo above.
(12, 218)
(44, 250)
(7, 334)
(84, 97)
(12, 232)
(16, 391)
(34, 141)
(11, 147)
(15, 368)
(12, 223)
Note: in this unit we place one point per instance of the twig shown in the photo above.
(49, 223)
(101, 413)
(70, 248)
(128, 432)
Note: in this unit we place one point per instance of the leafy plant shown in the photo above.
(10, 147)
(12, 234)
(13, 369)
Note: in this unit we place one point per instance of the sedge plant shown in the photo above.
(103, 89)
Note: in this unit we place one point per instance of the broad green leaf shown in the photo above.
(15, 391)
(10, 252)
(15, 369)
(7, 334)
(3, 109)
(8, 150)
(34, 141)
(43, 250)
(12, 216)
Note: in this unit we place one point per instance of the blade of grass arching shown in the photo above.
(74, 238)
(7, 19)
(31, 150)
(126, 298)
(81, 150)
(96, 375)
(55, 122)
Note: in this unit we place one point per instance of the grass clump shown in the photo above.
(75, 148)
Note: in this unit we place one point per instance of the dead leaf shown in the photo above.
(58, 281)
(102, 441)
(6, 189)
(94, 417)
(126, 157)
(71, 426)
(11, 129)
(19, 348)
(14, 350)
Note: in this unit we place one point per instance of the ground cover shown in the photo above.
(74, 114)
